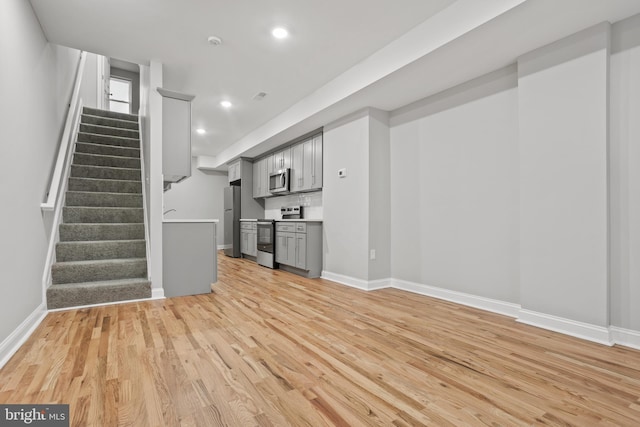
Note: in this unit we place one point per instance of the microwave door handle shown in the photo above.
(282, 181)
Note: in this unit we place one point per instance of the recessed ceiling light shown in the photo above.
(201, 131)
(225, 104)
(280, 33)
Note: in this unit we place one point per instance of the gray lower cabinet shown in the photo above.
(299, 247)
(248, 238)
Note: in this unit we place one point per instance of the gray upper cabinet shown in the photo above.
(306, 165)
(282, 159)
(176, 135)
(235, 170)
(303, 158)
(261, 173)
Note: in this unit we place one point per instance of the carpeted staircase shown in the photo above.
(101, 256)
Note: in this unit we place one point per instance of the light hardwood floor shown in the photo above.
(268, 348)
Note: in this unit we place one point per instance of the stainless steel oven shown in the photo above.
(266, 242)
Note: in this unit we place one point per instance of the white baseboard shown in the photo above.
(221, 247)
(587, 331)
(157, 293)
(625, 337)
(487, 304)
(365, 285)
(12, 343)
(599, 334)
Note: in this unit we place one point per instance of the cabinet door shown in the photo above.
(282, 159)
(291, 249)
(307, 178)
(265, 170)
(297, 168)
(316, 175)
(281, 248)
(244, 242)
(257, 184)
(301, 251)
(252, 247)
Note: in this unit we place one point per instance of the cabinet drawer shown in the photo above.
(286, 226)
(301, 227)
(247, 225)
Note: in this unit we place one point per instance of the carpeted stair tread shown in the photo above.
(101, 231)
(105, 172)
(87, 214)
(97, 292)
(119, 141)
(107, 150)
(105, 160)
(107, 130)
(100, 249)
(108, 121)
(103, 199)
(105, 185)
(107, 269)
(111, 114)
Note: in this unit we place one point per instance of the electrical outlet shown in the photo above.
(372, 254)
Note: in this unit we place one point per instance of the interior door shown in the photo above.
(104, 74)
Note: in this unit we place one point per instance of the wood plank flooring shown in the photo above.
(268, 348)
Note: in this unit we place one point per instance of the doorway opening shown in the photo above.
(120, 95)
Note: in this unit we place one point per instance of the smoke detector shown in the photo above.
(214, 40)
(259, 96)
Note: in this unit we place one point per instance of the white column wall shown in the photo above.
(563, 114)
(625, 174)
(346, 200)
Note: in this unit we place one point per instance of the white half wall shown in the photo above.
(36, 80)
(563, 114)
(198, 197)
(454, 189)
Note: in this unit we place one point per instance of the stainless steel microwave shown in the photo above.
(279, 181)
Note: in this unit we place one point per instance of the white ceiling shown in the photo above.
(341, 56)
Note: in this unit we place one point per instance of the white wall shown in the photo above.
(198, 197)
(35, 83)
(346, 200)
(563, 114)
(454, 191)
(89, 88)
(625, 174)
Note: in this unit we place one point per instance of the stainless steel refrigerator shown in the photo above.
(232, 221)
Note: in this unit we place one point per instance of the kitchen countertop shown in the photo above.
(283, 220)
(189, 220)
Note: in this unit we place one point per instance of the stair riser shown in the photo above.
(121, 200)
(108, 161)
(74, 273)
(60, 296)
(102, 130)
(77, 295)
(84, 171)
(106, 121)
(104, 185)
(108, 140)
(110, 114)
(85, 251)
(73, 215)
(87, 231)
(107, 150)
